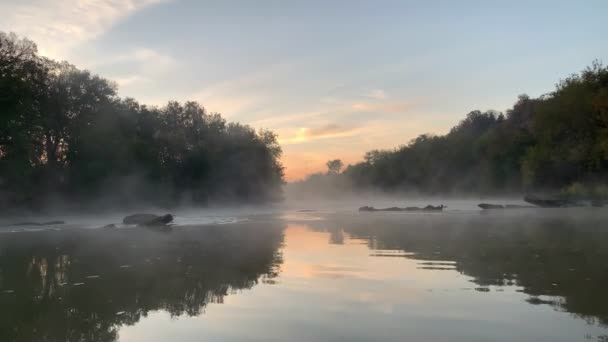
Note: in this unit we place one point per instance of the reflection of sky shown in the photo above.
(329, 292)
(333, 78)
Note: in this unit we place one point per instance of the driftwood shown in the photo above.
(500, 206)
(427, 208)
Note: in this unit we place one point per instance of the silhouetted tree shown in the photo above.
(64, 132)
(334, 166)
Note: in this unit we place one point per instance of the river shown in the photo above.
(331, 275)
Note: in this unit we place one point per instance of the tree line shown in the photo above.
(65, 134)
(557, 142)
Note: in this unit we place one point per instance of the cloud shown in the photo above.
(59, 25)
(228, 105)
(62, 29)
(263, 76)
(252, 96)
(137, 55)
(382, 107)
(282, 118)
(377, 94)
(338, 109)
(128, 80)
(137, 72)
(132, 65)
(328, 131)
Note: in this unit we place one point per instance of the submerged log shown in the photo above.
(487, 206)
(427, 208)
(551, 203)
(491, 206)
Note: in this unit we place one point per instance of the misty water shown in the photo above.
(327, 275)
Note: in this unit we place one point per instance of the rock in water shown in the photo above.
(139, 218)
(148, 219)
(159, 221)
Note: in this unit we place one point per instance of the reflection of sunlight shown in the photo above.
(291, 216)
(346, 273)
(309, 255)
(351, 291)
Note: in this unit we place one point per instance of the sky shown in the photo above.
(333, 78)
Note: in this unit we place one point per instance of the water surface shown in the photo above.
(522, 275)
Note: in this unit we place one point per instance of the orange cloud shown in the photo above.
(350, 144)
(323, 132)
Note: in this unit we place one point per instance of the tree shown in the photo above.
(64, 132)
(334, 166)
(23, 80)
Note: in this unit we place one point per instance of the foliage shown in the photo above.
(545, 143)
(65, 133)
(576, 191)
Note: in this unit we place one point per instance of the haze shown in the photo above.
(333, 79)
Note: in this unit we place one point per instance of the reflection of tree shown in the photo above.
(336, 233)
(138, 271)
(336, 236)
(555, 255)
